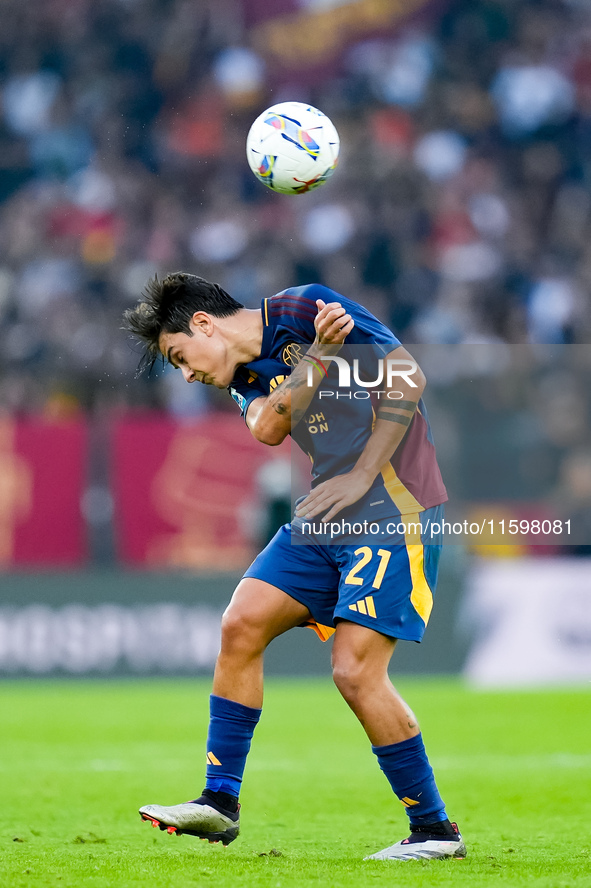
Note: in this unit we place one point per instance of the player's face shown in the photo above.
(201, 357)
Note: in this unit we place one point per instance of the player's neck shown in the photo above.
(245, 330)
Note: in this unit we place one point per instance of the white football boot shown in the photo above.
(422, 845)
(197, 818)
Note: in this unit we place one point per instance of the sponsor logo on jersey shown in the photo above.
(316, 422)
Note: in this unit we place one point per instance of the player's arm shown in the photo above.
(393, 419)
(271, 418)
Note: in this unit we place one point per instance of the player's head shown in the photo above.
(172, 310)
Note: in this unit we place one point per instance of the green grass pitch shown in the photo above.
(78, 758)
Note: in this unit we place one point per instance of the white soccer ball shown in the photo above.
(292, 148)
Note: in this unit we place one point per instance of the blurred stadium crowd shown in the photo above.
(461, 210)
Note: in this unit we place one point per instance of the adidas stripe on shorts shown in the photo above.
(386, 583)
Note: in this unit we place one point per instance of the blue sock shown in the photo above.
(411, 777)
(231, 726)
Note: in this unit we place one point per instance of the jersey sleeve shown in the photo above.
(368, 330)
(294, 309)
(298, 304)
(244, 393)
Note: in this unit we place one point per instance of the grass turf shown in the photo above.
(77, 760)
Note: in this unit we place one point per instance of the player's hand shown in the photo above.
(334, 495)
(332, 323)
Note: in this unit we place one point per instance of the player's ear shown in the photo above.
(202, 322)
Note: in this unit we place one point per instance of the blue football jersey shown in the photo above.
(335, 430)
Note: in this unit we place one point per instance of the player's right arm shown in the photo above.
(271, 418)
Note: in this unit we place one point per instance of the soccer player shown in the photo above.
(371, 457)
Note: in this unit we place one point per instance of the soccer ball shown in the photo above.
(292, 148)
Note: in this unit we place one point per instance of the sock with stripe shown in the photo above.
(411, 777)
(231, 726)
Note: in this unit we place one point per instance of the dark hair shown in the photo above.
(167, 306)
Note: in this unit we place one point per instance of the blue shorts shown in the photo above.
(386, 586)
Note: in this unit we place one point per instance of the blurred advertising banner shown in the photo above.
(531, 621)
(309, 35)
(145, 622)
(42, 469)
(104, 622)
(80, 639)
(186, 493)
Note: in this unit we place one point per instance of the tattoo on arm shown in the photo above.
(403, 405)
(391, 412)
(295, 381)
(395, 417)
(283, 407)
(281, 400)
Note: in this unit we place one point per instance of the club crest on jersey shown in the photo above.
(292, 354)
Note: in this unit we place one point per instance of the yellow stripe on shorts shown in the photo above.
(421, 596)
